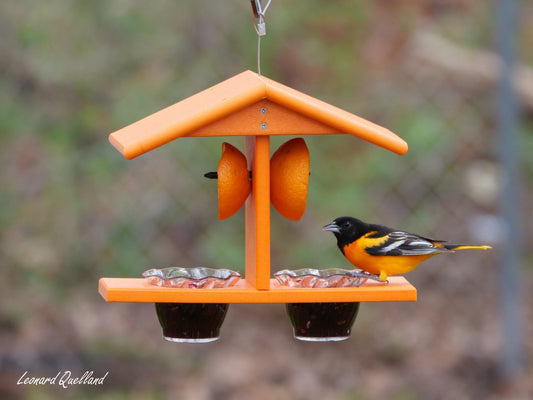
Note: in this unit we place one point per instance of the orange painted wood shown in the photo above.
(139, 290)
(257, 230)
(250, 222)
(279, 120)
(212, 106)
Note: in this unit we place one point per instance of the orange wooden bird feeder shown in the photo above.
(256, 107)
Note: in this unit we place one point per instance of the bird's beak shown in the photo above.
(333, 227)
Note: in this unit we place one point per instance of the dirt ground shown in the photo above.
(412, 350)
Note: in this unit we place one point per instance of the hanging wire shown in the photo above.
(260, 27)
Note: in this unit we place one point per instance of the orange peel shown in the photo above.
(289, 178)
(233, 181)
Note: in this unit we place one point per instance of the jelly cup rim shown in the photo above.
(191, 273)
(322, 278)
(325, 273)
(195, 277)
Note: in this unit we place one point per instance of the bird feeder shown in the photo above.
(255, 107)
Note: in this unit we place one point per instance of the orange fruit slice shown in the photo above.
(289, 178)
(233, 181)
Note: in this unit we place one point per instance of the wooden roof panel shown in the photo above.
(188, 115)
(335, 117)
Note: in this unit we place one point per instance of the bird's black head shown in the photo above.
(346, 230)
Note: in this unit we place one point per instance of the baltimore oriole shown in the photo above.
(384, 251)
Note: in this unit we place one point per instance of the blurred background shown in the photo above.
(72, 209)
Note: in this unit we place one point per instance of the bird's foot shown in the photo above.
(368, 275)
(383, 277)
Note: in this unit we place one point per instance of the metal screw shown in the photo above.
(263, 125)
(263, 110)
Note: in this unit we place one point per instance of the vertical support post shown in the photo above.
(511, 362)
(257, 246)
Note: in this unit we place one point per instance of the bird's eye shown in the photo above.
(347, 224)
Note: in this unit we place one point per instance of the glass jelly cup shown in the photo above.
(191, 322)
(321, 322)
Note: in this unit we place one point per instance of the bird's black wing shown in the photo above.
(400, 243)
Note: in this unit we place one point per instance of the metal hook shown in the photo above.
(256, 7)
(259, 27)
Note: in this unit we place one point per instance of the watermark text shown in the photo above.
(64, 379)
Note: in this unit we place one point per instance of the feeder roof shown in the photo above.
(248, 105)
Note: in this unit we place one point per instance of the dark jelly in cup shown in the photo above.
(320, 322)
(191, 322)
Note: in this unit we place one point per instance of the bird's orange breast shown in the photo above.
(356, 253)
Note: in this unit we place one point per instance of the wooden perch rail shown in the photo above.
(139, 290)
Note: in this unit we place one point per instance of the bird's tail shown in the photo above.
(453, 247)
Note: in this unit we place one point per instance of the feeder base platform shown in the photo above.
(140, 291)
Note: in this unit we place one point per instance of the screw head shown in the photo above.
(263, 125)
(263, 110)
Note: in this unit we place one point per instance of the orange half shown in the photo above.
(289, 178)
(233, 181)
